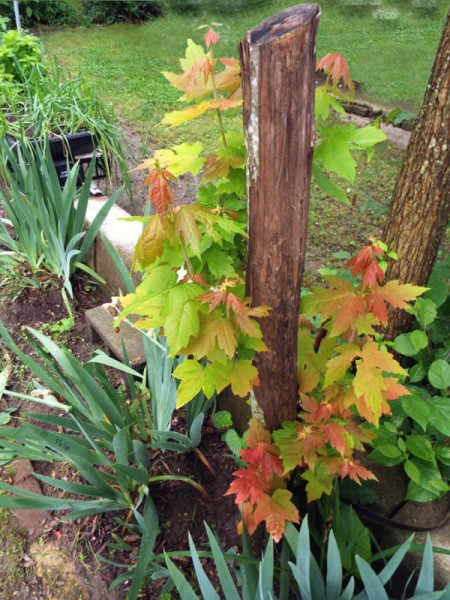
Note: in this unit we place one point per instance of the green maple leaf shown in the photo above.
(289, 446)
(242, 376)
(194, 377)
(327, 185)
(182, 318)
(334, 149)
(319, 482)
(181, 159)
(219, 263)
(325, 101)
(150, 297)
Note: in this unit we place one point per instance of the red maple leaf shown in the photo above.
(365, 262)
(336, 67)
(160, 188)
(212, 37)
(250, 484)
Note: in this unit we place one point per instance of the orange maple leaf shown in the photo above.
(349, 467)
(250, 484)
(275, 510)
(335, 435)
(335, 67)
(248, 519)
(161, 192)
(394, 293)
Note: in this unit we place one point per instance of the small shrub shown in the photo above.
(19, 53)
(125, 11)
(45, 12)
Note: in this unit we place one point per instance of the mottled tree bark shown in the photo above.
(278, 76)
(420, 206)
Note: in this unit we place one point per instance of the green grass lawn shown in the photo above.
(392, 59)
(124, 62)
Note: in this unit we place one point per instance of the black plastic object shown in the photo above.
(69, 149)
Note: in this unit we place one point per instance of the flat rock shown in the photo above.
(33, 521)
(101, 322)
(433, 515)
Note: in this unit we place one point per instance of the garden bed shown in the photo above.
(181, 509)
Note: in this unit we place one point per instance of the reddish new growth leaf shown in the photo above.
(366, 262)
(336, 68)
(349, 467)
(212, 37)
(160, 192)
(260, 486)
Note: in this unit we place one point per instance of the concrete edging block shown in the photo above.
(123, 235)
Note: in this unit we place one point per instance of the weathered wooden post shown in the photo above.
(278, 59)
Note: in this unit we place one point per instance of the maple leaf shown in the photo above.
(186, 227)
(213, 329)
(150, 243)
(161, 192)
(319, 482)
(194, 377)
(249, 484)
(194, 88)
(337, 142)
(335, 435)
(337, 366)
(349, 467)
(275, 510)
(229, 80)
(240, 374)
(369, 380)
(180, 159)
(336, 67)
(394, 293)
(212, 37)
(366, 261)
(182, 317)
(248, 519)
(177, 117)
(261, 452)
(342, 302)
(311, 364)
(289, 443)
(225, 104)
(243, 376)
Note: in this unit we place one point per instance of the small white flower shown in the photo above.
(181, 273)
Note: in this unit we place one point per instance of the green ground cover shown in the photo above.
(392, 58)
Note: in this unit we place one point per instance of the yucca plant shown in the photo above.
(300, 578)
(47, 221)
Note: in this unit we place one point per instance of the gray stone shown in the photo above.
(434, 515)
(101, 323)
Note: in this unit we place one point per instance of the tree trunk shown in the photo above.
(278, 77)
(420, 206)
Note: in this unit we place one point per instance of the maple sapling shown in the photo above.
(348, 374)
